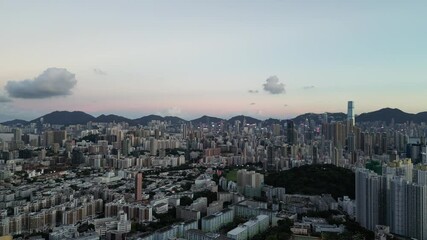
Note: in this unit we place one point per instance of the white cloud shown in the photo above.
(273, 85)
(52, 82)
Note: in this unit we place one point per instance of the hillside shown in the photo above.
(386, 115)
(113, 118)
(15, 122)
(174, 120)
(146, 119)
(242, 118)
(315, 180)
(65, 118)
(206, 120)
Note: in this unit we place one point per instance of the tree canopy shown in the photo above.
(315, 180)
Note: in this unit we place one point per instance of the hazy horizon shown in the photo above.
(199, 116)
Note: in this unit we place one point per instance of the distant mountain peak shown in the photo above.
(78, 117)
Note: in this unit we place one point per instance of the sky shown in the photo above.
(266, 58)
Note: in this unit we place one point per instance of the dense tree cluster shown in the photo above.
(315, 180)
(281, 232)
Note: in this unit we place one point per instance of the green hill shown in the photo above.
(315, 180)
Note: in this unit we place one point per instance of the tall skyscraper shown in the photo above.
(270, 157)
(290, 126)
(138, 186)
(350, 113)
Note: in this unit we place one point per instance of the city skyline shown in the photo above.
(263, 59)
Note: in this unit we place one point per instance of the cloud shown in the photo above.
(4, 99)
(273, 85)
(285, 105)
(252, 103)
(99, 71)
(51, 83)
(253, 91)
(308, 87)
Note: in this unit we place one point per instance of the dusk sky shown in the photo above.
(264, 58)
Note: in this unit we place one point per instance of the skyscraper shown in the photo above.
(350, 113)
(369, 198)
(138, 186)
(417, 210)
(392, 199)
(290, 126)
(397, 206)
(17, 134)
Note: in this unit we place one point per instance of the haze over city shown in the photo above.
(190, 58)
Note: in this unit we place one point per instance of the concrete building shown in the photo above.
(138, 186)
(239, 233)
(417, 211)
(350, 115)
(250, 209)
(398, 206)
(250, 228)
(369, 199)
(196, 234)
(186, 213)
(214, 222)
(250, 183)
(214, 207)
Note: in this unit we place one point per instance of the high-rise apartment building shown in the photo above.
(126, 146)
(291, 132)
(59, 137)
(397, 206)
(369, 199)
(397, 198)
(417, 211)
(153, 146)
(250, 183)
(138, 186)
(51, 137)
(17, 134)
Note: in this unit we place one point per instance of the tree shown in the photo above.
(285, 225)
(211, 196)
(315, 180)
(91, 138)
(185, 201)
(272, 237)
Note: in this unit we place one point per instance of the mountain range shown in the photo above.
(77, 117)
